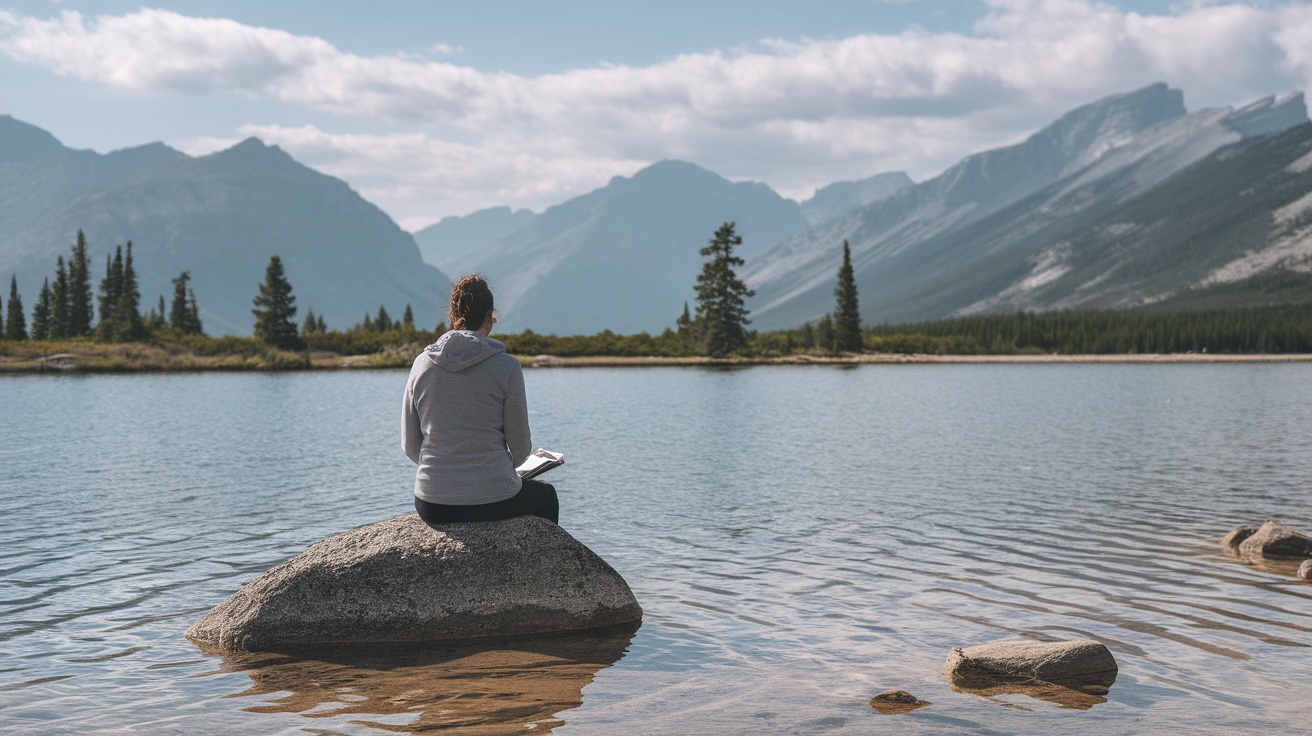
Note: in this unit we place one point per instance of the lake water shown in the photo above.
(800, 538)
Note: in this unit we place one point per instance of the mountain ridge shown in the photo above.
(219, 216)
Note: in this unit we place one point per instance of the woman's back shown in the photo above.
(465, 420)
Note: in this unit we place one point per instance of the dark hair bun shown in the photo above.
(471, 303)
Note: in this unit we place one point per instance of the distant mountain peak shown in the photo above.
(672, 170)
(253, 152)
(22, 142)
(1271, 114)
(840, 198)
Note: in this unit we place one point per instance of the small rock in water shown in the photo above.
(1071, 674)
(1305, 570)
(891, 702)
(1076, 664)
(1276, 540)
(1234, 538)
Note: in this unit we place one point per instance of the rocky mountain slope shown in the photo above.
(624, 257)
(988, 232)
(456, 243)
(219, 216)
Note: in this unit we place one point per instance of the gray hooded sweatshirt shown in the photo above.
(464, 420)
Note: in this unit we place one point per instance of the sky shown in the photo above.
(443, 108)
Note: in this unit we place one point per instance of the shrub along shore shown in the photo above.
(1024, 338)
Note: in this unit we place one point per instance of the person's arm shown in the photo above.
(412, 436)
(514, 418)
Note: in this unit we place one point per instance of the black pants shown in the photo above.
(535, 498)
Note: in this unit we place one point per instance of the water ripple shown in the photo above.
(800, 538)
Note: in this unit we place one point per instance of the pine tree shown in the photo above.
(321, 326)
(58, 329)
(384, 321)
(178, 311)
(408, 321)
(127, 309)
(41, 312)
(847, 318)
(310, 324)
(193, 314)
(160, 315)
(684, 320)
(79, 289)
(275, 307)
(721, 314)
(2, 322)
(111, 288)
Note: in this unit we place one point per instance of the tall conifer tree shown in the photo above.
(178, 318)
(79, 289)
(59, 303)
(193, 314)
(847, 318)
(110, 288)
(275, 308)
(127, 310)
(721, 314)
(309, 325)
(408, 320)
(41, 312)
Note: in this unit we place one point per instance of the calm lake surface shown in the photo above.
(801, 538)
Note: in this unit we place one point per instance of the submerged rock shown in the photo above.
(401, 581)
(1234, 538)
(1305, 570)
(892, 702)
(1081, 664)
(1275, 540)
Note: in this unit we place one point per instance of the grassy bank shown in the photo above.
(246, 355)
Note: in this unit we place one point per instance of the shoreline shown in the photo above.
(921, 358)
(141, 358)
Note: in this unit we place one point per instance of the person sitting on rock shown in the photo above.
(464, 421)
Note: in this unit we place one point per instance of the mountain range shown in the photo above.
(220, 217)
(1125, 201)
(1053, 222)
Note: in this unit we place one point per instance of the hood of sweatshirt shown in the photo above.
(460, 349)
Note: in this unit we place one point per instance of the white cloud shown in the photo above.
(793, 113)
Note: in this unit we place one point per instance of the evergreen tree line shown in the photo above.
(718, 329)
(1275, 328)
(64, 309)
(275, 309)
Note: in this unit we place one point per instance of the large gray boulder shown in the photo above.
(401, 581)
(1081, 663)
(1305, 570)
(1275, 540)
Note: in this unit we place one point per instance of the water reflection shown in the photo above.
(494, 688)
(1081, 697)
(1077, 693)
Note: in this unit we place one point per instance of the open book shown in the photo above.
(539, 463)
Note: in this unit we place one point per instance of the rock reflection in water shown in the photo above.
(495, 688)
(1074, 693)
